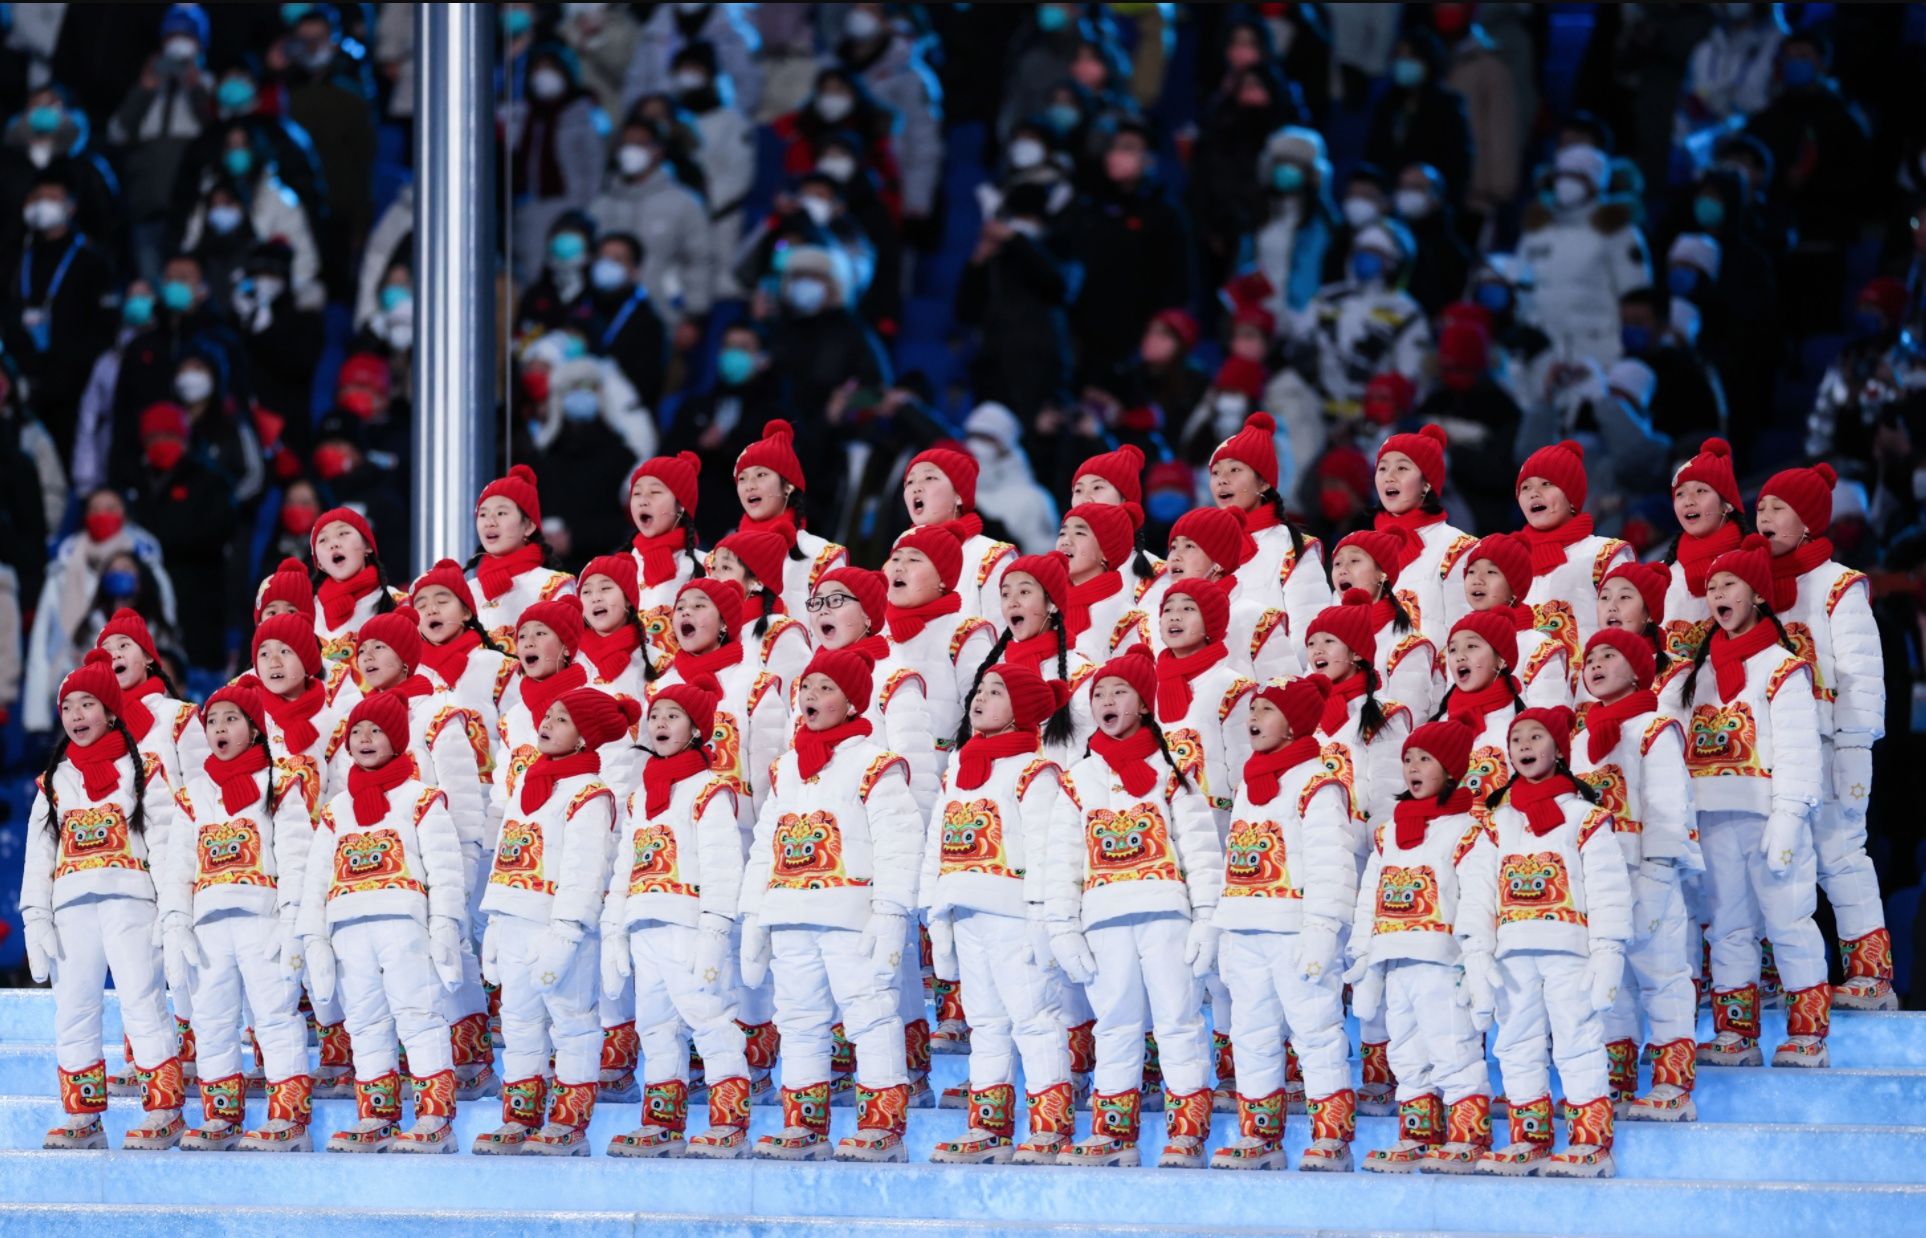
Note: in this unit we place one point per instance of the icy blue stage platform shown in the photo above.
(1841, 1151)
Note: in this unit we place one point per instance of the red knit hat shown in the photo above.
(1135, 667)
(1051, 572)
(940, 547)
(1390, 548)
(163, 418)
(1808, 492)
(1634, 649)
(1255, 446)
(727, 597)
(1032, 697)
(343, 515)
(698, 700)
(1115, 526)
(1751, 562)
(1713, 467)
(1350, 622)
(868, 587)
(1301, 701)
(1242, 375)
(519, 488)
(1213, 602)
(1510, 556)
(848, 669)
(448, 574)
(1219, 533)
(680, 473)
(601, 718)
(290, 583)
(1426, 449)
(95, 675)
(1122, 468)
(364, 369)
(1561, 464)
(1180, 324)
(127, 622)
(1495, 628)
(561, 615)
(297, 633)
(1887, 293)
(1387, 397)
(620, 569)
(243, 698)
(775, 451)
(389, 712)
(1556, 719)
(958, 466)
(1650, 580)
(1448, 740)
(399, 630)
(762, 556)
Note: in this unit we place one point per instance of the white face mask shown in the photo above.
(266, 288)
(181, 48)
(45, 214)
(1684, 318)
(634, 160)
(398, 331)
(862, 25)
(40, 153)
(193, 386)
(1025, 227)
(224, 219)
(1569, 191)
(837, 168)
(1026, 153)
(833, 108)
(1412, 203)
(687, 80)
(607, 274)
(818, 209)
(1360, 211)
(1231, 405)
(547, 83)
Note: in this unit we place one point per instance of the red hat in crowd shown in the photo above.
(620, 569)
(1464, 354)
(698, 700)
(1135, 667)
(243, 698)
(761, 554)
(1032, 697)
(1561, 464)
(561, 615)
(388, 711)
(1634, 649)
(1242, 375)
(725, 595)
(1751, 562)
(519, 488)
(1425, 447)
(869, 589)
(1808, 492)
(1387, 397)
(95, 676)
(598, 716)
(399, 630)
(127, 622)
(364, 369)
(958, 466)
(343, 515)
(1389, 548)
(940, 547)
(296, 631)
(163, 419)
(1254, 446)
(1301, 701)
(848, 669)
(1712, 467)
(1213, 603)
(1115, 527)
(1495, 628)
(1051, 571)
(1180, 324)
(1510, 556)
(1351, 622)
(291, 583)
(448, 574)
(1888, 294)
(680, 473)
(1448, 740)
(1650, 580)
(1557, 721)
(1219, 533)
(775, 451)
(1122, 468)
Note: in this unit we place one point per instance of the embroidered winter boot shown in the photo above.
(1294, 1101)
(1674, 1067)
(1588, 1150)
(952, 1034)
(1467, 1136)
(434, 1128)
(377, 1104)
(1420, 1129)
(1082, 1041)
(334, 1078)
(842, 1068)
(882, 1115)
(1808, 1022)
(1260, 1135)
(1531, 1140)
(566, 1132)
(665, 1122)
(524, 1106)
(805, 1126)
(221, 1116)
(189, 1055)
(474, 1055)
(1377, 1086)
(916, 1056)
(728, 1135)
(1152, 1100)
(991, 1139)
(1224, 1095)
(1735, 1024)
(1114, 1120)
(83, 1094)
(1869, 974)
(621, 1046)
(1053, 1123)
(163, 1094)
(290, 1110)
(1187, 1126)
(1621, 1072)
(761, 1043)
(1334, 1124)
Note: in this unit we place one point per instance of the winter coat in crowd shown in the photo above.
(1294, 236)
(155, 124)
(557, 150)
(1018, 300)
(726, 27)
(59, 315)
(26, 154)
(190, 510)
(274, 213)
(896, 70)
(680, 264)
(1481, 77)
(1135, 253)
(1425, 124)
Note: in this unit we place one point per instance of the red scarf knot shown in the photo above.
(980, 752)
(545, 771)
(1337, 706)
(611, 653)
(1695, 554)
(1539, 801)
(658, 555)
(1076, 606)
(235, 776)
(539, 694)
(369, 787)
(1605, 720)
(296, 717)
(1548, 546)
(783, 525)
(1174, 675)
(448, 661)
(661, 774)
(1790, 566)
(339, 597)
(815, 748)
(98, 763)
(1413, 817)
(497, 573)
(906, 623)
(1479, 703)
(1129, 758)
(1264, 770)
(693, 666)
(1729, 655)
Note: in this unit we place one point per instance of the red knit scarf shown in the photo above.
(1038, 652)
(1729, 654)
(693, 666)
(1337, 706)
(963, 528)
(1522, 616)
(133, 706)
(1413, 817)
(497, 573)
(1695, 554)
(96, 762)
(658, 554)
(1129, 758)
(296, 717)
(661, 774)
(877, 647)
(1478, 703)
(611, 652)
(539, 694)
(783, 525)
(1264, 769)
(235, 776)
(1261, 517)
(415, 685)
(1175, 673)
(545, 771)
(338, 597)
(1539, 801)
(906, 623)
(1604, 720)
(450, 660)
(980, 752)
(814, 748)
(1790, 566)
(1077, 604)
(369, 787)
(1410, 521)
(1548, 546)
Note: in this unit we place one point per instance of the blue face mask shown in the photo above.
(1367, 265)
(137, 311)
(1681, 281)
(1798, 72)
(1407, 71)
(176, 295)
(120, 584)
(515, 22)
(44, 119)
(1051, 19)
(1492, 296)
(291, 13)
(1287, 178)
(567, 246)
(1165, 506)
(1709, 212)
(806, 296)
(236, 94)
(581, 404)
(238, 161)
(735, 365)
(1063, 117)
(394, 296)
(1634, 340)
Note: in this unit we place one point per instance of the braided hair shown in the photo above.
(136, 823)
(384, 598)
(1705, 648)
(1150, 720)
(1585, 790)
(1057, 729)
(1505, 677)
(1275, 501)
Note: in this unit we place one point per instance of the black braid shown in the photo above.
(983, 668)
(1371, 717)
(1275, 501)
(137, 822)
(1661, 660)
(168, 686)
(473, 624)
(273, 793)
(1504, 676)
(1140, 565)
(793, 502)
(1400, 618)
(1059, 729)
(1705, 649)
(1151, 722)
(768, 608)
(55, 755)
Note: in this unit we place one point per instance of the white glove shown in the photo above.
(1783, 831)
(1036, 939)
(1367, 988)
(711, 961)
(491, 959)
(1317, 952)
(180, 952)
(943, 945)
(43, 948)
(1073, 953)
(1200, 947)
(754, 956)
(444, 949)
(616, 967)
(1604, 972)
(1477, 990)
(882, 940)
(1852, 780)
(287, 944)
(555, 952)
(320, 956)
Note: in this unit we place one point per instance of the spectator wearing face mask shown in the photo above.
(329, 92)
(1363, 199)
(1479, 417)
(242, 101)
(1582, 256)
(1290, 244)
(727, 153)
(282, 338)
(1522, 356)
(623, 324)
(841, 104)
(893, 63)
(188, 505)
(817, 345)
(604, 39)
(58, 306)
(1438, 272)
(557, 152)
(1480, 75)
(642, 197)
(1688, 401)
(354, 473)
(558, 297)
(94, 426)
(222, 238)
(1033, 156)
(1160, 384)
(221, 434)
(1235, 391)
(1016, 291)
(719, 422)
(48, 134)
(1039, 55)
(1420, 119)
(152, 129)
(1133, 245)
(246, 201)
(1840, 425)
(183, 323)
(1745, 298)
(1007, 490)
(673, 27)
(1360, 328)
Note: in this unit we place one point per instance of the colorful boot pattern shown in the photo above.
(188, 1055)
(729, 1102)
(468, 1039)
(1736, 1011)
(1673, 1062)
(1470, 1121)
(1153, 1064)
(949, 1001)
(335, 1047)
(1870, 956)
(1083, 1048)
(760, 1044)
(1621, 1068)
(84, 1090)
(1051, 1112)
(842, 1054)
(221, 1100)
(573, 1106)
(163, 1088)
(993, 1109)
(1590, 1122)
(1116, 1115)
(1421, 1119)
(620, 1047)
(1188, 1114)
(435, 1095)
(916, 1046)
(1220, 1047)
(807, 1107)
(292, 1100)
(525, 1102)
(1531, 1139)
(1261, 1117)
(379, 1097)
(883, 1109)
(1809, 1011)
(666, 1105)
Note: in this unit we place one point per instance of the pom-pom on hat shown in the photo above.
(1510, 556)
(867, 586)
(561, 615)
(762, 554)
(1557, 721)
(1032, 697)
(1650, 580)
(1712, 467)
(1633, 648)
(940, 547)
(342, 515)
(848, 669)
(621, 570)
(1219, 533)
(600, 717)
(1751, 562)
(1213, 603)
(1495, 628)
(698, 700)
(1563, 465)
(958, 466)
(95, 676)
(1351, 622)
(1122, 468)
(775, 451)
(1254, 446)
(296, 631)
(399, 630)
(388, 711)
(725, 595)
(1426, 448)
(291, 583)
(1135, 667)
(127, 622)
(1808, 492)
(1448, 740)
(1115, 526)
(681, 473)
(1301, 701)
(519, 488)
